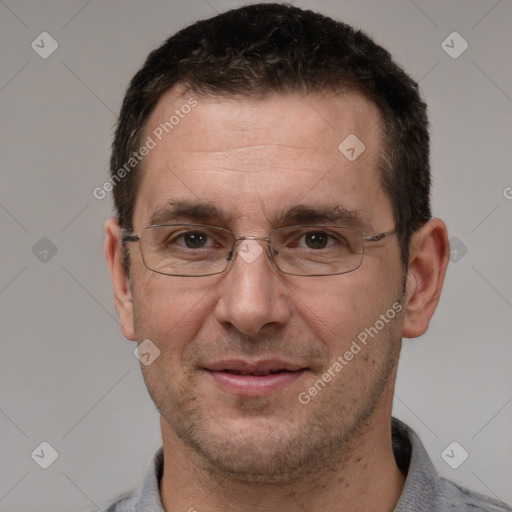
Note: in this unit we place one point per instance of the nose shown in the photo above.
(252, 293)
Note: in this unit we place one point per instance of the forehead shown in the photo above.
(253, 158)
(319, 120)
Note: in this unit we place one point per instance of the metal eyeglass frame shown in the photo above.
(130, 237)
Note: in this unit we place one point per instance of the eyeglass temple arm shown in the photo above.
(380, 236)
(127, 237)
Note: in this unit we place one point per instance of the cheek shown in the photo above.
(168, 311)
(338, 311)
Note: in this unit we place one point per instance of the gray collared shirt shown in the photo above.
(424, 489)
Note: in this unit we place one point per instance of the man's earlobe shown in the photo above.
(123, 299)
(428, 260)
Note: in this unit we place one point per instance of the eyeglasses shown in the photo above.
(197, 250)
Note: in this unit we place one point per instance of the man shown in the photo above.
(272, 246)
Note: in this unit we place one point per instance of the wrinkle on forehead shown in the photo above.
(255, 159)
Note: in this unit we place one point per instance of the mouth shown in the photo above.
(260, 378)
(256, 373)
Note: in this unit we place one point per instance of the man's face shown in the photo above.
(254, 160)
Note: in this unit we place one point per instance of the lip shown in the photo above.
(252, 378)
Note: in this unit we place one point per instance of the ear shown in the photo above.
(429, 253)
(120, 280)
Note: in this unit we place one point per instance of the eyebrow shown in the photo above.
(185, 210)
(324, 214)
(205, 212)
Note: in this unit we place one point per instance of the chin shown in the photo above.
(260, 460)
(263, 450)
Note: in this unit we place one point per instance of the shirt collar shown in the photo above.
(419, 492)
(148, 499)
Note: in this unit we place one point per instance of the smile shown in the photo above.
(256, 379)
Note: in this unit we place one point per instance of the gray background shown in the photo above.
(68, 377)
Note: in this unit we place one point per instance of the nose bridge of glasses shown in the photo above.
(250, 237)
(249, 247)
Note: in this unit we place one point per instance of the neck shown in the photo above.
(368, 479)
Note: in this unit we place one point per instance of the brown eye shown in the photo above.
(316, 239)
(194, 239)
